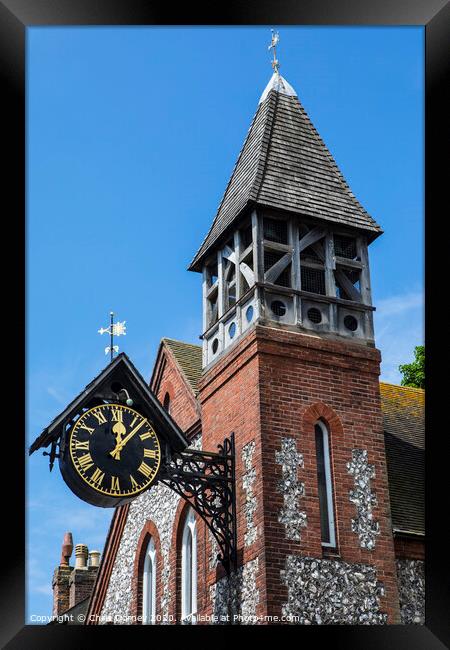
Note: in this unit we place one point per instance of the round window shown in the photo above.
(249, 314)
(314, 315)
(232, 330)
(351, 323)
(215, 346)
(278, 307)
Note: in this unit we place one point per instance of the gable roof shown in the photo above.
(189, 358)
(404, 426)
(284, 164)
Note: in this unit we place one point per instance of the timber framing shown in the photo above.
(291, 275)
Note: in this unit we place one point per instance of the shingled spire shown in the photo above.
(284, 164)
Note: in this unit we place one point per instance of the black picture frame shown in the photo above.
(15, 17)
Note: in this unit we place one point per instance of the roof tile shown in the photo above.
(403, 410)
(189, 358)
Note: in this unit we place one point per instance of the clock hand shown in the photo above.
(119, 429)
(115, 453)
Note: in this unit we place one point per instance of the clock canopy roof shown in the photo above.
(285, 165)
(122, 371)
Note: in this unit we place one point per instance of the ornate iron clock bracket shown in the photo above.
(206, 480)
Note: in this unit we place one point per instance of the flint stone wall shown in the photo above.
(364, 524)
(159, 504)
(248, 478)
(291, 488)
(237, 596)
(327, 592)
(411, 591)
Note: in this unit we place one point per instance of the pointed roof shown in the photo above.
(284, 164)
(279, 85)
(189, 358)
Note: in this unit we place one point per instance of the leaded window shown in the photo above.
(324, 482)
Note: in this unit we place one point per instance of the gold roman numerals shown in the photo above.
(111, 468)
(147, 434)
(145, 469)
(99, 416)
(86, 428)
(117, 415)
(97, 477)
(85, 461)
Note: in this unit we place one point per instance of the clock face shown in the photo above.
(115, 450)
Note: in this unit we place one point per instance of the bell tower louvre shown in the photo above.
(328, 460)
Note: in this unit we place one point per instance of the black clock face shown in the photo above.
(115, 450)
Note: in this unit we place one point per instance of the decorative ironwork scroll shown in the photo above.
(207, 481)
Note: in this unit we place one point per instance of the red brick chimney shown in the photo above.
(61, 576)
(73, 584)
(83, 576)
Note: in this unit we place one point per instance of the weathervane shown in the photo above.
(273, 46)
(114, 329)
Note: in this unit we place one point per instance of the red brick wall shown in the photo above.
(60, 584)
(81, 584)
(230, 400)
(168, 378)
(409, 548)
(276, 384)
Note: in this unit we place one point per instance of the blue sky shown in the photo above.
(132, 136)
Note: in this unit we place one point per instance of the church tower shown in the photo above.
(288, 246)
(290, 366)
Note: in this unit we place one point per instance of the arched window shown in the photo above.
(166, 402)
(189, 569)
(149, 585)
(325, 486)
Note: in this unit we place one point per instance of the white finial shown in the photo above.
(277, 82)
(273, 46)
(114, 329)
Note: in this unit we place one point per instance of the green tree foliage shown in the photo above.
(414, 373)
